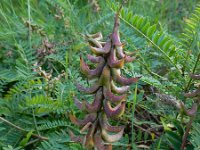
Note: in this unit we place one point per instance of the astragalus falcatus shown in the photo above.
(109, 98)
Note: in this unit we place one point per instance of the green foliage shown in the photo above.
(190, 37)
(195, 135)
(37, 87)
(149, 32)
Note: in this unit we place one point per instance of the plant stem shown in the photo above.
(21, 129)
(35, 122)
(193, 71)
(149, 70)
(31, 142)
(189, 125)
(29, 23)
(145, 130)
(132, 120)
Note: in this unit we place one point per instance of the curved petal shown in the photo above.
(95, 59)
(96, 36)
(75, 138)
(94, 107)
(80, 105)
(85, 127)
(115, 112)
(89, 142)
(119, 90)
(113, 61)
(120, 53)
(91, 73)
(88, 118)
(107, 46)
(88, 90)
(99, 144)
(101, 50)
(105, 125)
(95, 42)
(123, 80)
(111, 137)
(112, 97)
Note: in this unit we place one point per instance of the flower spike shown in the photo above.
(109, 98)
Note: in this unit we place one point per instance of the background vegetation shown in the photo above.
(40, 45)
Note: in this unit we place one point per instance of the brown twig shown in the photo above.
(189, 125)
(21, 129)
(159, 127)
(32, 142)
(147, 131)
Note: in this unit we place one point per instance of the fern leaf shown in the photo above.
(161, 41)
(195, 136)
(191, 29)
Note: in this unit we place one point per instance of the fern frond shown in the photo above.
(56, 58)
(191, 29)
(53, 124)
(44, 104)
(9, 135)
(8, 75)
(21, 88)
(59, 141)
(195, 136)
(150, 32)
(2, 84)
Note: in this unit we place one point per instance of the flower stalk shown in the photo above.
(109, 98)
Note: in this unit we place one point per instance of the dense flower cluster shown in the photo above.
(109, 99)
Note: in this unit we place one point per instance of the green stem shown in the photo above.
(132, 120)
(29, 24)
(189, 125)
(149, 71)
(21, 129)
(35, 122)
(193, 71)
